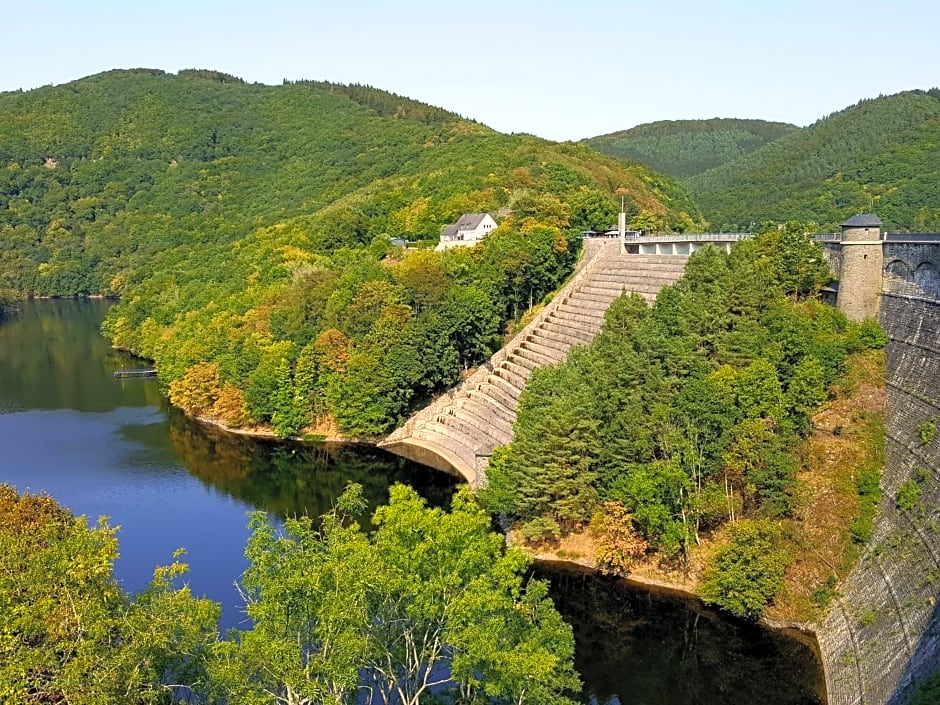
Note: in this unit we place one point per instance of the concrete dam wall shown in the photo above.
(882, 636)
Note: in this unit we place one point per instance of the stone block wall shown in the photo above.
(882, 636)
(860, 279)
(832, 253)
(913, 263)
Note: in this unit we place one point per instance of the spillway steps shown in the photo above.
(464, 426)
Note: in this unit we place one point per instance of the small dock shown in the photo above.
(144, 372)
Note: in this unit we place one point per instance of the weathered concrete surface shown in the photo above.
(883, 634)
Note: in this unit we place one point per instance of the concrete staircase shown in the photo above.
(460, 429)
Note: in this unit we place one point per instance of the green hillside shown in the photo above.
(684, 148)
(247, 230)
(881, 156)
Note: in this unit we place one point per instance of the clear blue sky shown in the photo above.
(561, 70)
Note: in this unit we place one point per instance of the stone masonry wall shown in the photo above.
(860, 280)
(832, 253)
(882, 636)
(913, 263)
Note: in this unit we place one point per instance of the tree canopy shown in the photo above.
(685, 148)
(68, 633)
(879, 156)
(685, 415)
(430, 604)
(430, 607)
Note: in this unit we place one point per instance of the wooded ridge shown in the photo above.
(247, 230)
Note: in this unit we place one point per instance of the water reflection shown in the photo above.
(51, 357)
(107, 447)
(291, 478)
(643, 647)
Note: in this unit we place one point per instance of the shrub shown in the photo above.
(825, 593)
(926, 432)
(869, 494)
(541, 529)
(745, 575)
(908, 495)
(867, 335)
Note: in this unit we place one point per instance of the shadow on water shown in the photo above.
(285, 479)
(640, 646)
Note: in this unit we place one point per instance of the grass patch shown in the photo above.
(838, 491)
(908, 496)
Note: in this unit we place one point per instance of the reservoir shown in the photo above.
(112, 447)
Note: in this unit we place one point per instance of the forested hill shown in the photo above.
(247, 230)
(880, 156)
(684, 148)
(104, 166)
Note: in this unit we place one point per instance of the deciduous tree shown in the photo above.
(430, 603)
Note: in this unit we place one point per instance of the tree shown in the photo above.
(592, 209)
(70, 634)
(797, 261)
(423, 278)
(807, 388)
(757, 391)
(230, 408)
(548, 469)
(472, 323)
(430, 601)
(746, 573)
(619, 544)
(199, 388)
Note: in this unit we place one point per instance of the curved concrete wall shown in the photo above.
(883, 634)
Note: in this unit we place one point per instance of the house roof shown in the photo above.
(449, 230)
(469, 221)
(863, 220)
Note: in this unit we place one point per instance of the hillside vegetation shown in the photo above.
(880, 156)
(686, 418)
(247, 230)
(685, 148)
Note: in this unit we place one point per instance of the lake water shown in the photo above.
(102, 446)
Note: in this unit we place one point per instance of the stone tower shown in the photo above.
(862, 266)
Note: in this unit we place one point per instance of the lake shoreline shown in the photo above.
(804, 632)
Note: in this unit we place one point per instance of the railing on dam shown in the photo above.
(681, 244)
(688, 243)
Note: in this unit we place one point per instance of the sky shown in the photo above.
(560, 70)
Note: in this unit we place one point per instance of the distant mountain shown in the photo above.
(880, 155)
(685, 148)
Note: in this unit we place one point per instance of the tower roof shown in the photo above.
(863, 220)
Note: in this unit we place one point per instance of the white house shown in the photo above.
(467, 231)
